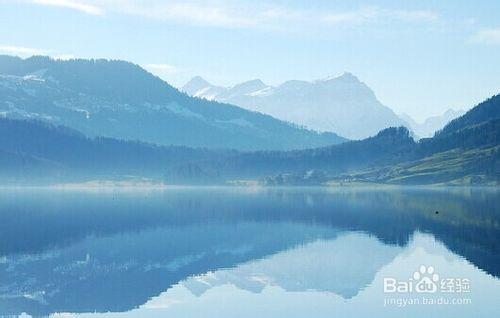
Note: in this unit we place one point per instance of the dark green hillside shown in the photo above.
(466, 151)
(32, 149)
(485, 111)
(390, 145)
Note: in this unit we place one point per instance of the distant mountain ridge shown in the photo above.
(432, 124)
(121, 100)
(342, 104)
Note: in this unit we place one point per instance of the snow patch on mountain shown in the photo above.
(35, 76)
(237, 121)
(261, 92)
(179, 110)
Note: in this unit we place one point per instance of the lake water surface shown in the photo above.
(250, 252)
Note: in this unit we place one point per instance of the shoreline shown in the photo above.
(146, 186)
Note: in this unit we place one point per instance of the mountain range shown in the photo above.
(431, 125)
(466, 151)
(342, 104)
(82, 120)
(121, 100)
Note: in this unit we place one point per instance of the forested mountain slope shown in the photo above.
(121, 100)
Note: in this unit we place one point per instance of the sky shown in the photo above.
(420, 57)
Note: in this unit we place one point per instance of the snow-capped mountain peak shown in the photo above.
(252, 84)
(246, 88)
(199, 87)
(342, 104)
(344, 77)
(197, 82)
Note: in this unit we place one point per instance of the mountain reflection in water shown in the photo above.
(219, 251)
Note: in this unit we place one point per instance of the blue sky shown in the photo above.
(420, 57)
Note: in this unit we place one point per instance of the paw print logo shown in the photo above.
(426, 279)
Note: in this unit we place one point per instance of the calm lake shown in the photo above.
(250, 252)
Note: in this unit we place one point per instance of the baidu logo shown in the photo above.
(423, 280)
(426, 287)
(426, 280)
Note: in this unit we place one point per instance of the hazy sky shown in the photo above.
(420, 57)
